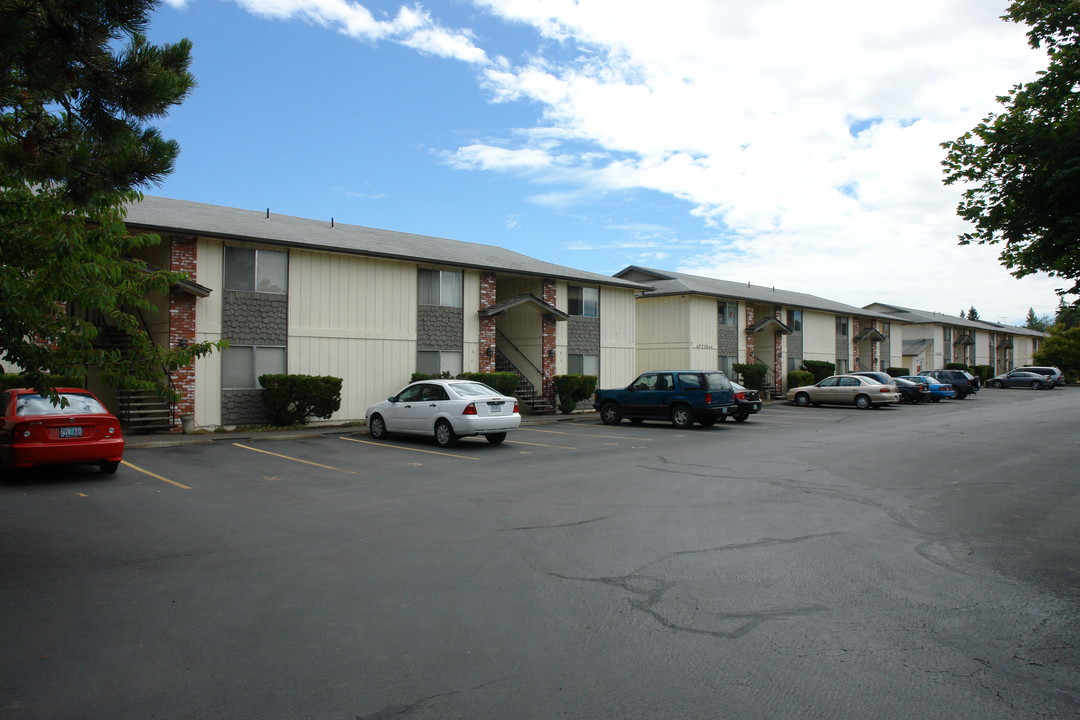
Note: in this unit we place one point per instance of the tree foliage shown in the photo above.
(79, 84)
(1021, 168)
(1035, 322)
(1062, 350)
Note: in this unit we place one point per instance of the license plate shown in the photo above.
(72, 431)
(494, 408)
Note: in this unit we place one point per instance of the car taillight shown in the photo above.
(470, 409)
(886, 388)
(708, 398)
(515, 406)
(111, 430)
(21, 432)
(740, 396)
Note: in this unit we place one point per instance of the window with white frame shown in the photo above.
(794, 320)
(441, 287)
(436, 362)
(583, 301)
(265, 271)
(242, 365)
(579, 364)
(726, 312)
(841, 326)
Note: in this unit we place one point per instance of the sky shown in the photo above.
(782, 143)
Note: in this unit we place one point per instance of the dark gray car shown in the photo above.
(1021, 378)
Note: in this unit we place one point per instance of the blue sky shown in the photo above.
(779, 142)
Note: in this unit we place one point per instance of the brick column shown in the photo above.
(182, 258)
(487, 324)
(749, 335)
(855, 332)
(547, 367)
(778, 351)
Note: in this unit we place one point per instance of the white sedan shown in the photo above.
(446, 409)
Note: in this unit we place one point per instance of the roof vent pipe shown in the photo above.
(267, 213)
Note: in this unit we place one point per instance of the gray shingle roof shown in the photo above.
(666, 282)
(159, 214)
(925, 317)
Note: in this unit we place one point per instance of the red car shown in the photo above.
(37, 432)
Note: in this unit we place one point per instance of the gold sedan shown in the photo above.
(857, 390)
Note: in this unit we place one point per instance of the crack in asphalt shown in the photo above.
(560, 525)
(400, 711)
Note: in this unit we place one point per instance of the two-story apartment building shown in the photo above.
(700, 322)
(369, 306)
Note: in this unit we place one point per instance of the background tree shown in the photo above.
(1062, 350)
(973, 314)
(1067, 315)
(1034, 322)
(1021, 168)
(78, 84)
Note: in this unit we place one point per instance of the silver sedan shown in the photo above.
(857, 390)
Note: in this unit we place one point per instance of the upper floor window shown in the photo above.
(441, 287)
(726, 312)
(584, 301)
(256, 270)
(841, 326)
(794, 320)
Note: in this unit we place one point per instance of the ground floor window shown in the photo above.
(241, 365)
(726, 364)
(841, 366)
(583, 365)
(436, 362)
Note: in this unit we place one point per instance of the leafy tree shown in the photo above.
(1034, 322)
(78, 84)
(1021, 168)
(1062, 350)
(973, 314)
(1067, 315)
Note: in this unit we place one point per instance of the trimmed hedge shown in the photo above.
(897, 371)
(503, 382)
(292, 399)
(752, 374)
(572, 389)
(956, 366)
(799, 378)
(417, 376)
(983, 372)
(820, 369)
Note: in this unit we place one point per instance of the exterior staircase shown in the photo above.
(144, 411)
(526, 393)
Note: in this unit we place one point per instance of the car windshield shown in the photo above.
(717, 381)
(38, 405)
(472, 389)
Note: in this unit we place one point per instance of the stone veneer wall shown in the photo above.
(583, 335)
(251, 318)
(440, 328)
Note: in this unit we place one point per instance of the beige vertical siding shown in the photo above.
(470, 352)
(617, 334)
(209, 256)
(819, 336)
(663, 333)
(353, 318)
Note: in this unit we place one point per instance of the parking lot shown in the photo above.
(911, 561)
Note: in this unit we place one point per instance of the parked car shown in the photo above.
(679, 396)
(37, 431)
(910, 392)
(1053, 373)
(1020, 378)
(747, 402)
(447, 410)
(938, 390)
(858, 390)
(963, 382)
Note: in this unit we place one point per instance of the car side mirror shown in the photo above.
(392, 398)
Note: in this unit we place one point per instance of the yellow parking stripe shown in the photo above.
(587, 433)
(410, 449)
(156, 477)
(286, 457)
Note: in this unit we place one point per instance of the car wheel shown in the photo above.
(1036, 385)
(996, 384)
(741, 418)
(610, 414)
(444, 434)
(108, 467)
(682, 417)
(495, 438)
(863, 402)
(802, 400)
(377, 427)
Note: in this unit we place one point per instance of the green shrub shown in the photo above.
(983, 372)
(503, 382)
(417, 376)
(820, 369)
(956, 366)
(798, 378)
(752, 374)
(897, 371)
(292, 399)
(572, 389)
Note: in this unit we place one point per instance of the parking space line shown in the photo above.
(401, 447)
(584, 434)
(286, 457)
(559, 447)
(155, 476)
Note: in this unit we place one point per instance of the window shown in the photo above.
(241, 365)
(727, 364)
(584, 301)
(256, 270)
(841, 366)
(841, 326)
(583, 365)
(726, 312)
(794, 320)
(441, 287)
(437, 362)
